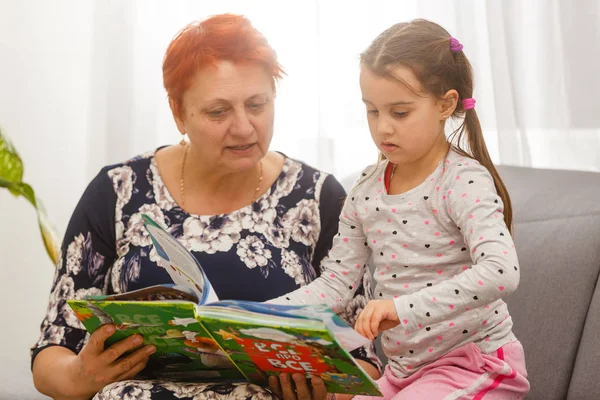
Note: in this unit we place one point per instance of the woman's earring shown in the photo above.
(183, 142)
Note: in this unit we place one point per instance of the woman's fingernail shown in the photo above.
(150, 349)
(137, 339)
(110, 329)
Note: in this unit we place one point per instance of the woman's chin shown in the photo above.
(241, 162)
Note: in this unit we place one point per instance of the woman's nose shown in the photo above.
(241, 125)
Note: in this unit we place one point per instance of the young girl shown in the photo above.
(435, 219)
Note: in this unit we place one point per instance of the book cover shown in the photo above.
(264, 340)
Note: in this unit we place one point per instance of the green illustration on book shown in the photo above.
(199, 338)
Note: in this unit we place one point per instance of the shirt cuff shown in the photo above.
(406, 314)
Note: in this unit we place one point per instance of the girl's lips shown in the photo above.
(389, 146)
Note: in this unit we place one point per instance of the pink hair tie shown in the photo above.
(468, 104)
(455, 45)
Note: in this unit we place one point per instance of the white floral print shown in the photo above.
(291, 265)
(136, 232)
(161, 194)
(305, 222)
(115, 276)
(70, 317)
(254, 392)
(252, 252)
(64, 289)
(319, 179)
(125, 272)
(279, 234)
(154, 255)
(54, 335)
(67, 313)
(210, 234)
(83, 292)
(122, 180)
(181, 390)
(75, 255)
(285, 185)
(122, 241)
(258, 217)
(126, 390)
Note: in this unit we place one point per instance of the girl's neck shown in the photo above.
(409, 176)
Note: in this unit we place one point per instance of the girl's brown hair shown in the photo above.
(424, 47)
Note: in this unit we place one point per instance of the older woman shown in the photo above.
(259, 222)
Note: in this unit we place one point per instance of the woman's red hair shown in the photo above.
(221, 37)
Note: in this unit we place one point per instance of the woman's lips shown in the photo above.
(241, 148)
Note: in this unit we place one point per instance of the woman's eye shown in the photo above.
(217, 113)
(372, 112)
(256, 106)
(400, 114)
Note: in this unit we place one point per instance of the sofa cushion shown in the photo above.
(585, 384)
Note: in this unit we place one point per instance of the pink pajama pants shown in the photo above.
(464, 373)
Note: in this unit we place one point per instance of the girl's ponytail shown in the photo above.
(478, 150)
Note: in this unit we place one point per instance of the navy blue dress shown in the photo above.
(264, 250)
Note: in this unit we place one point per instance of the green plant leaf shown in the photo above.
(11, 166)
(19, 189)
(27, 191)
(7, 184)
(49, 235)
(11, 177)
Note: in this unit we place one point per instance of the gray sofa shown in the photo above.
(556, 309)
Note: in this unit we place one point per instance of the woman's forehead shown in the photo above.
(229, 81)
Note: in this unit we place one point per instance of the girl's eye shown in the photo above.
(372, 112)
(400, 114)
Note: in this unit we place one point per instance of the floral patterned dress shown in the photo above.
(258, 252)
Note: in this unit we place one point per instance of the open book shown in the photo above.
(199, 338)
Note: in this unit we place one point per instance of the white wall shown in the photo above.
(44, 68)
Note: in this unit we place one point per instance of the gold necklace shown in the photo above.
(182, 186)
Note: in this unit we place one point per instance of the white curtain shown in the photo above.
(82, 87)
(535, 63)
